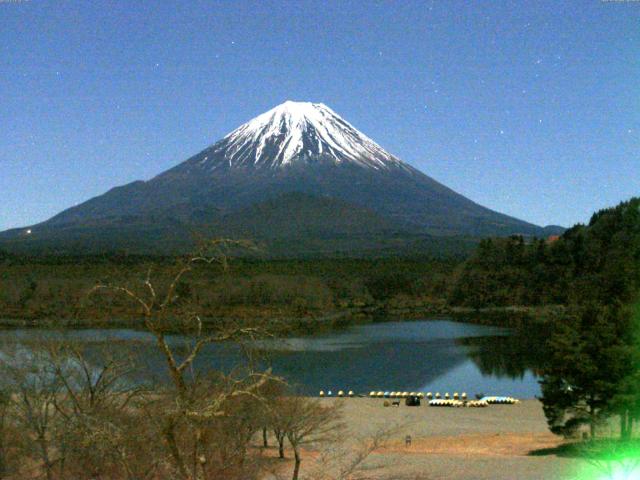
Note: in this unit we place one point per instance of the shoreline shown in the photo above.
(492, 346)
(509, 317)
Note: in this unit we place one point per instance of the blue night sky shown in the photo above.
(529, 108)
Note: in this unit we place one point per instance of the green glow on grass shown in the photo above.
(610, 460)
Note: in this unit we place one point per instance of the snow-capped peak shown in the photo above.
(300, 131)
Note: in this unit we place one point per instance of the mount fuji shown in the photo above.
(298, 177)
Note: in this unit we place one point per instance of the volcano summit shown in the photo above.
(296, 132)
(297, 174)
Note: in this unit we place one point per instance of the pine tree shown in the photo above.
(589, 361)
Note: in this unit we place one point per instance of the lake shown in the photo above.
(429, 355)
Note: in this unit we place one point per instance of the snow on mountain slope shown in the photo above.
(298, 131)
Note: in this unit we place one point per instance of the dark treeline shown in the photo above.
(592, 371)
(596, 262)
(40, 288)
(509, 271)
(593, 261)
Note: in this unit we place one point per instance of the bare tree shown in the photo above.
(279, 431)
(92, 386)
(164, 311)
(190, 409)
(34, 388)
(97, 402)
(306, 421)
(7, 435)
(346, 456)
(81, 416)
(349, 461)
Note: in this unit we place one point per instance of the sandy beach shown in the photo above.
(496, 442)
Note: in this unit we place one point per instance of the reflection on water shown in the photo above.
(430, 355)
(510, 356)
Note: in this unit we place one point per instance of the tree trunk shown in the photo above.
(280, 439)
(3, 465)
(3, 446)
(592, 422)
(44, 452)
(296, 467)
(623, 424)
(174, 450)
(265, 442)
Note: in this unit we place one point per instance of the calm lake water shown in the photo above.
(430, 355)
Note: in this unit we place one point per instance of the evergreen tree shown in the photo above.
(585, 368)
(626, 400)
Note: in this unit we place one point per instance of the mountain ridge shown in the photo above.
(296, 147)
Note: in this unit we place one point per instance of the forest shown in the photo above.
(598, 261)
(593, 272)
(53, 290)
